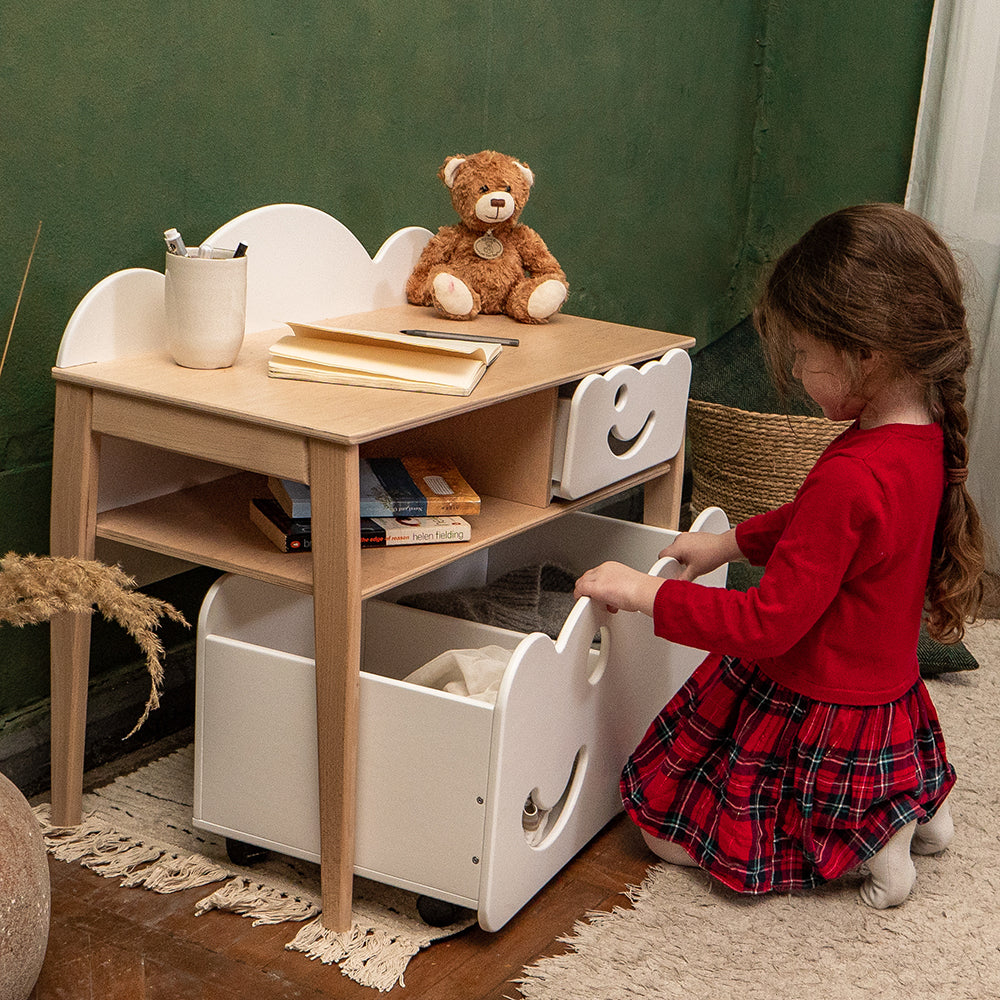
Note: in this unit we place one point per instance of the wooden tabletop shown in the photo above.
(565, 349)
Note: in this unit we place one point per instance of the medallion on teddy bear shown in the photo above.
(489, 262)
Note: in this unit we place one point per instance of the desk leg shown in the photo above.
(74, 518)
(336, 553)
(662, 496)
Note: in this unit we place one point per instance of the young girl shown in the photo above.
(807, 744)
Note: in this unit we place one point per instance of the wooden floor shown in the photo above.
(109, 943)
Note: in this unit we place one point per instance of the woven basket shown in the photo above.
(747, 463)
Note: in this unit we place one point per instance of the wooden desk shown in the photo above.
(501, 437)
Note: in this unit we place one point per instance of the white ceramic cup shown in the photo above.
(205, 300)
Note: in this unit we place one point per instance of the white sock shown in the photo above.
(892, 872)
(936, 834)
(670, 852)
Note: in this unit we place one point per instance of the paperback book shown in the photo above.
(414, 530)
(319, 353)
(290, 534)
(393, 487)
(295, 534)
(293, 496)
(415, 487)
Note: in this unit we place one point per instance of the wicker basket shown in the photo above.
(747, 463)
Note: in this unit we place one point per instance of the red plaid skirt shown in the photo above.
(771, 791)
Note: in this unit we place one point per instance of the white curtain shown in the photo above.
(955, 184)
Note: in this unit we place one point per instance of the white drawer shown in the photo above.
(620, 423)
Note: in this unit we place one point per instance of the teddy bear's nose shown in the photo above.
(498, 202)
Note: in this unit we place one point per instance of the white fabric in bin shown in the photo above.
(473, 673)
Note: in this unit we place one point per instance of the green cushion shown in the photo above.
(942, 658)
(934, 657)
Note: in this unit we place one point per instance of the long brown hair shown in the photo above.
(879, 278)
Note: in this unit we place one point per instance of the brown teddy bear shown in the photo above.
(489, 262)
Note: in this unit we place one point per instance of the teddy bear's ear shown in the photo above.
(526, 171)
(450, 168)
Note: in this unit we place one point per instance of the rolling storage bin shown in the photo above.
(443, 779)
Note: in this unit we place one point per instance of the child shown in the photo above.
(807, 744)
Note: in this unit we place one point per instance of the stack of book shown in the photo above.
(404, 501)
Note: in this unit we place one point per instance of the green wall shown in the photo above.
(677, 147)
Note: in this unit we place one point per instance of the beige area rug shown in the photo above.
(138, 829)
(687, 937)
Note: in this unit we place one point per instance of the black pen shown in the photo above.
(506, 341)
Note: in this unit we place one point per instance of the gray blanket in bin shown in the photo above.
(534, 598)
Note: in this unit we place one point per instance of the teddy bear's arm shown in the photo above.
(538, 260)
(438, 251)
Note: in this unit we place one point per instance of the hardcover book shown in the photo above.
(318, 353)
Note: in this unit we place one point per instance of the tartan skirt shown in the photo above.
(771, 791)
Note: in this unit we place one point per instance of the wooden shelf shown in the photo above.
(210, 525)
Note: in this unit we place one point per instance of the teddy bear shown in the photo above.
(489, 262)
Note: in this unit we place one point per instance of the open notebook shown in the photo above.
(319, 353)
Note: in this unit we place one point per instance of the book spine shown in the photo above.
(296, 535)
(401, 508)
(372, 534)
(455, 530)
(293, 497)
(428, 508)
(414, 487)
(287, 535)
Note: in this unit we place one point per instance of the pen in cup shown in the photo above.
(174, 242)
(241, 249)
(506, 341)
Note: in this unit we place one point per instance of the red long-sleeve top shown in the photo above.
(837, 613)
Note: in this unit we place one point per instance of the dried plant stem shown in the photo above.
(17, 304)
(34, 588)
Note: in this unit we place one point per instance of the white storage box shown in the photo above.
(620, 423)
(442, 779)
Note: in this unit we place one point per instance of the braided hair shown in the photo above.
(879, 278)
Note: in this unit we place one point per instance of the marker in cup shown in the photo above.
(174, 242)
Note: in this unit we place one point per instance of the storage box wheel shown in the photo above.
(438, 913)
(244, 854)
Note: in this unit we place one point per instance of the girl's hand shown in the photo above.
(619, 587)
(700, 552)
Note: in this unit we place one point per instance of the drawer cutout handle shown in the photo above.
(541, 824)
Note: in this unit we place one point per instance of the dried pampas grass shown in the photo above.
(34, 588)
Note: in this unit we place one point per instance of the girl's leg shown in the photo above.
(936, 834)
(892, 872)
(668, 850)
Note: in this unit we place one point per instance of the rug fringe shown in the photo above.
(374, 953)
(174, 872)
(369, 956)
(252, 899)
(97, 846)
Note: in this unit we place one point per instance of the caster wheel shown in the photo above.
(438, 913)
(244, 854)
